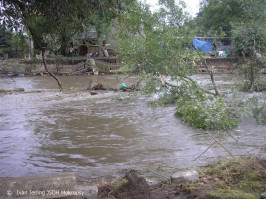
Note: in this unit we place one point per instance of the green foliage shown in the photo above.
(231, 194)
(250, 69)
(210, 115)
(3, 39)
(205, 112)
(249, 36)
(149, 44)
(258, 85)
(217, 15)
(247, 107)
(120, 184)
(156, 44)
(242, 105)
(223, 15)
(242, 178)
(244, 21)
(52, 24)
(198, 109)
(260, 114)
(18, 45)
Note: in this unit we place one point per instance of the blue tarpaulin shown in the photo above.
(203, 45)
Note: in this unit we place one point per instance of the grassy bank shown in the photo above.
(243, 178)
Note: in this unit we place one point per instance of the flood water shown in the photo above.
(93, 136)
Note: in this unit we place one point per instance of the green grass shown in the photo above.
(244, 178)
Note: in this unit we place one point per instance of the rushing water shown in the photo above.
(47, 131)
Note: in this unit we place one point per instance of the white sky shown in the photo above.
(192, 5)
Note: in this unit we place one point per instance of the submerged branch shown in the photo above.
(205, 151)
(186, 79)
(227, 150)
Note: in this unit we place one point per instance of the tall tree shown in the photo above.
(3, 39)
(248, 35)
(217, 15)
(58, 20)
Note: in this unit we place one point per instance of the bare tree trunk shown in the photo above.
(209, 71)
(214, 84)
(251, 77)
(30, 47)
(212, 78)
(40, 45)
(252, 74)
(51, 73)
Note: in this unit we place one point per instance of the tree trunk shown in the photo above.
(251, 77)
(51, 73)
(252, 74)
(213, 83)
(212, 78)
(209, 71)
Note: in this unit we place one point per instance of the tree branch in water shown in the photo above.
(186, 79)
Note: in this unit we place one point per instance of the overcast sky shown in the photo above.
(192, 5)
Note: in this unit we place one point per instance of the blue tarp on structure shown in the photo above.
(203, 45)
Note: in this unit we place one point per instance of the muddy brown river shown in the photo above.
(93, 136)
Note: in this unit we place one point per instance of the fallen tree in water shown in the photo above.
(166, 63)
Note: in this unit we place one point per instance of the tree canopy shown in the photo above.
(221, 15)
(54, 22)
(60, 18)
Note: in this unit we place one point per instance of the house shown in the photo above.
(85, 43)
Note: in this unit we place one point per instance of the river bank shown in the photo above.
(66, 66)
(241, 178)
(61, 66)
